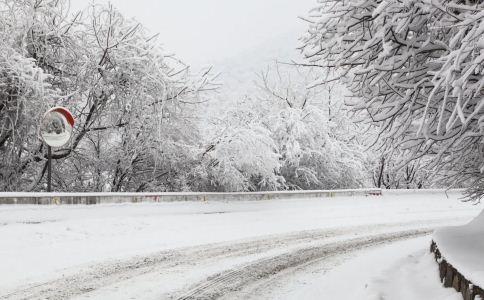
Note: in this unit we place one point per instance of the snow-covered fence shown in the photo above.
(452, 278)
(100, 198)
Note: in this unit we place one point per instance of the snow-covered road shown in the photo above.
(243, 249)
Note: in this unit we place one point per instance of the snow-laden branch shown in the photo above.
(417, 67)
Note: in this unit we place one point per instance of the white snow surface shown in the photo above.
(44, 243)
(401, 271)
(463, 248)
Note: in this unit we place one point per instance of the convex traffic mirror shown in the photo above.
(56, 127)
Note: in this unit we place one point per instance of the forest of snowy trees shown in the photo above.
(387, 94)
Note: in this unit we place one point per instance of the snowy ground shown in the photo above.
(399, 271)
(333, 248)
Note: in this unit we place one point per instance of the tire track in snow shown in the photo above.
(105, 274)
(231, 281)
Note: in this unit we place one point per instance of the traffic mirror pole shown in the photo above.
(49, 169)
(56, 131)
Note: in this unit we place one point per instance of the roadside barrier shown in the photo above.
(452, 278)
(107, 198)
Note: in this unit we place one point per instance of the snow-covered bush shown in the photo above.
(416, 69)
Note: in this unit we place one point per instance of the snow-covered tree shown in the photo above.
(318, 142)
(242, 155)
(24, 90)
(416, 69)
(287, 136)
(387, 174)
(126, 94)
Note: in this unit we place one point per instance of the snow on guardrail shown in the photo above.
(100, 198)
(422, 191)
(106, 198)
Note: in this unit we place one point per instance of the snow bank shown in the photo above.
(463, 248)
(413, 277)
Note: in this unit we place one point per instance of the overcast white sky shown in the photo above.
(207, 31)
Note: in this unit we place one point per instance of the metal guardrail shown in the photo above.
(107, 198)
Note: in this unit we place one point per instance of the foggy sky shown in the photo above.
(208, 31)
